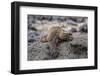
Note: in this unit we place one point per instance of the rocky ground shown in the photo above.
(75, 49)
